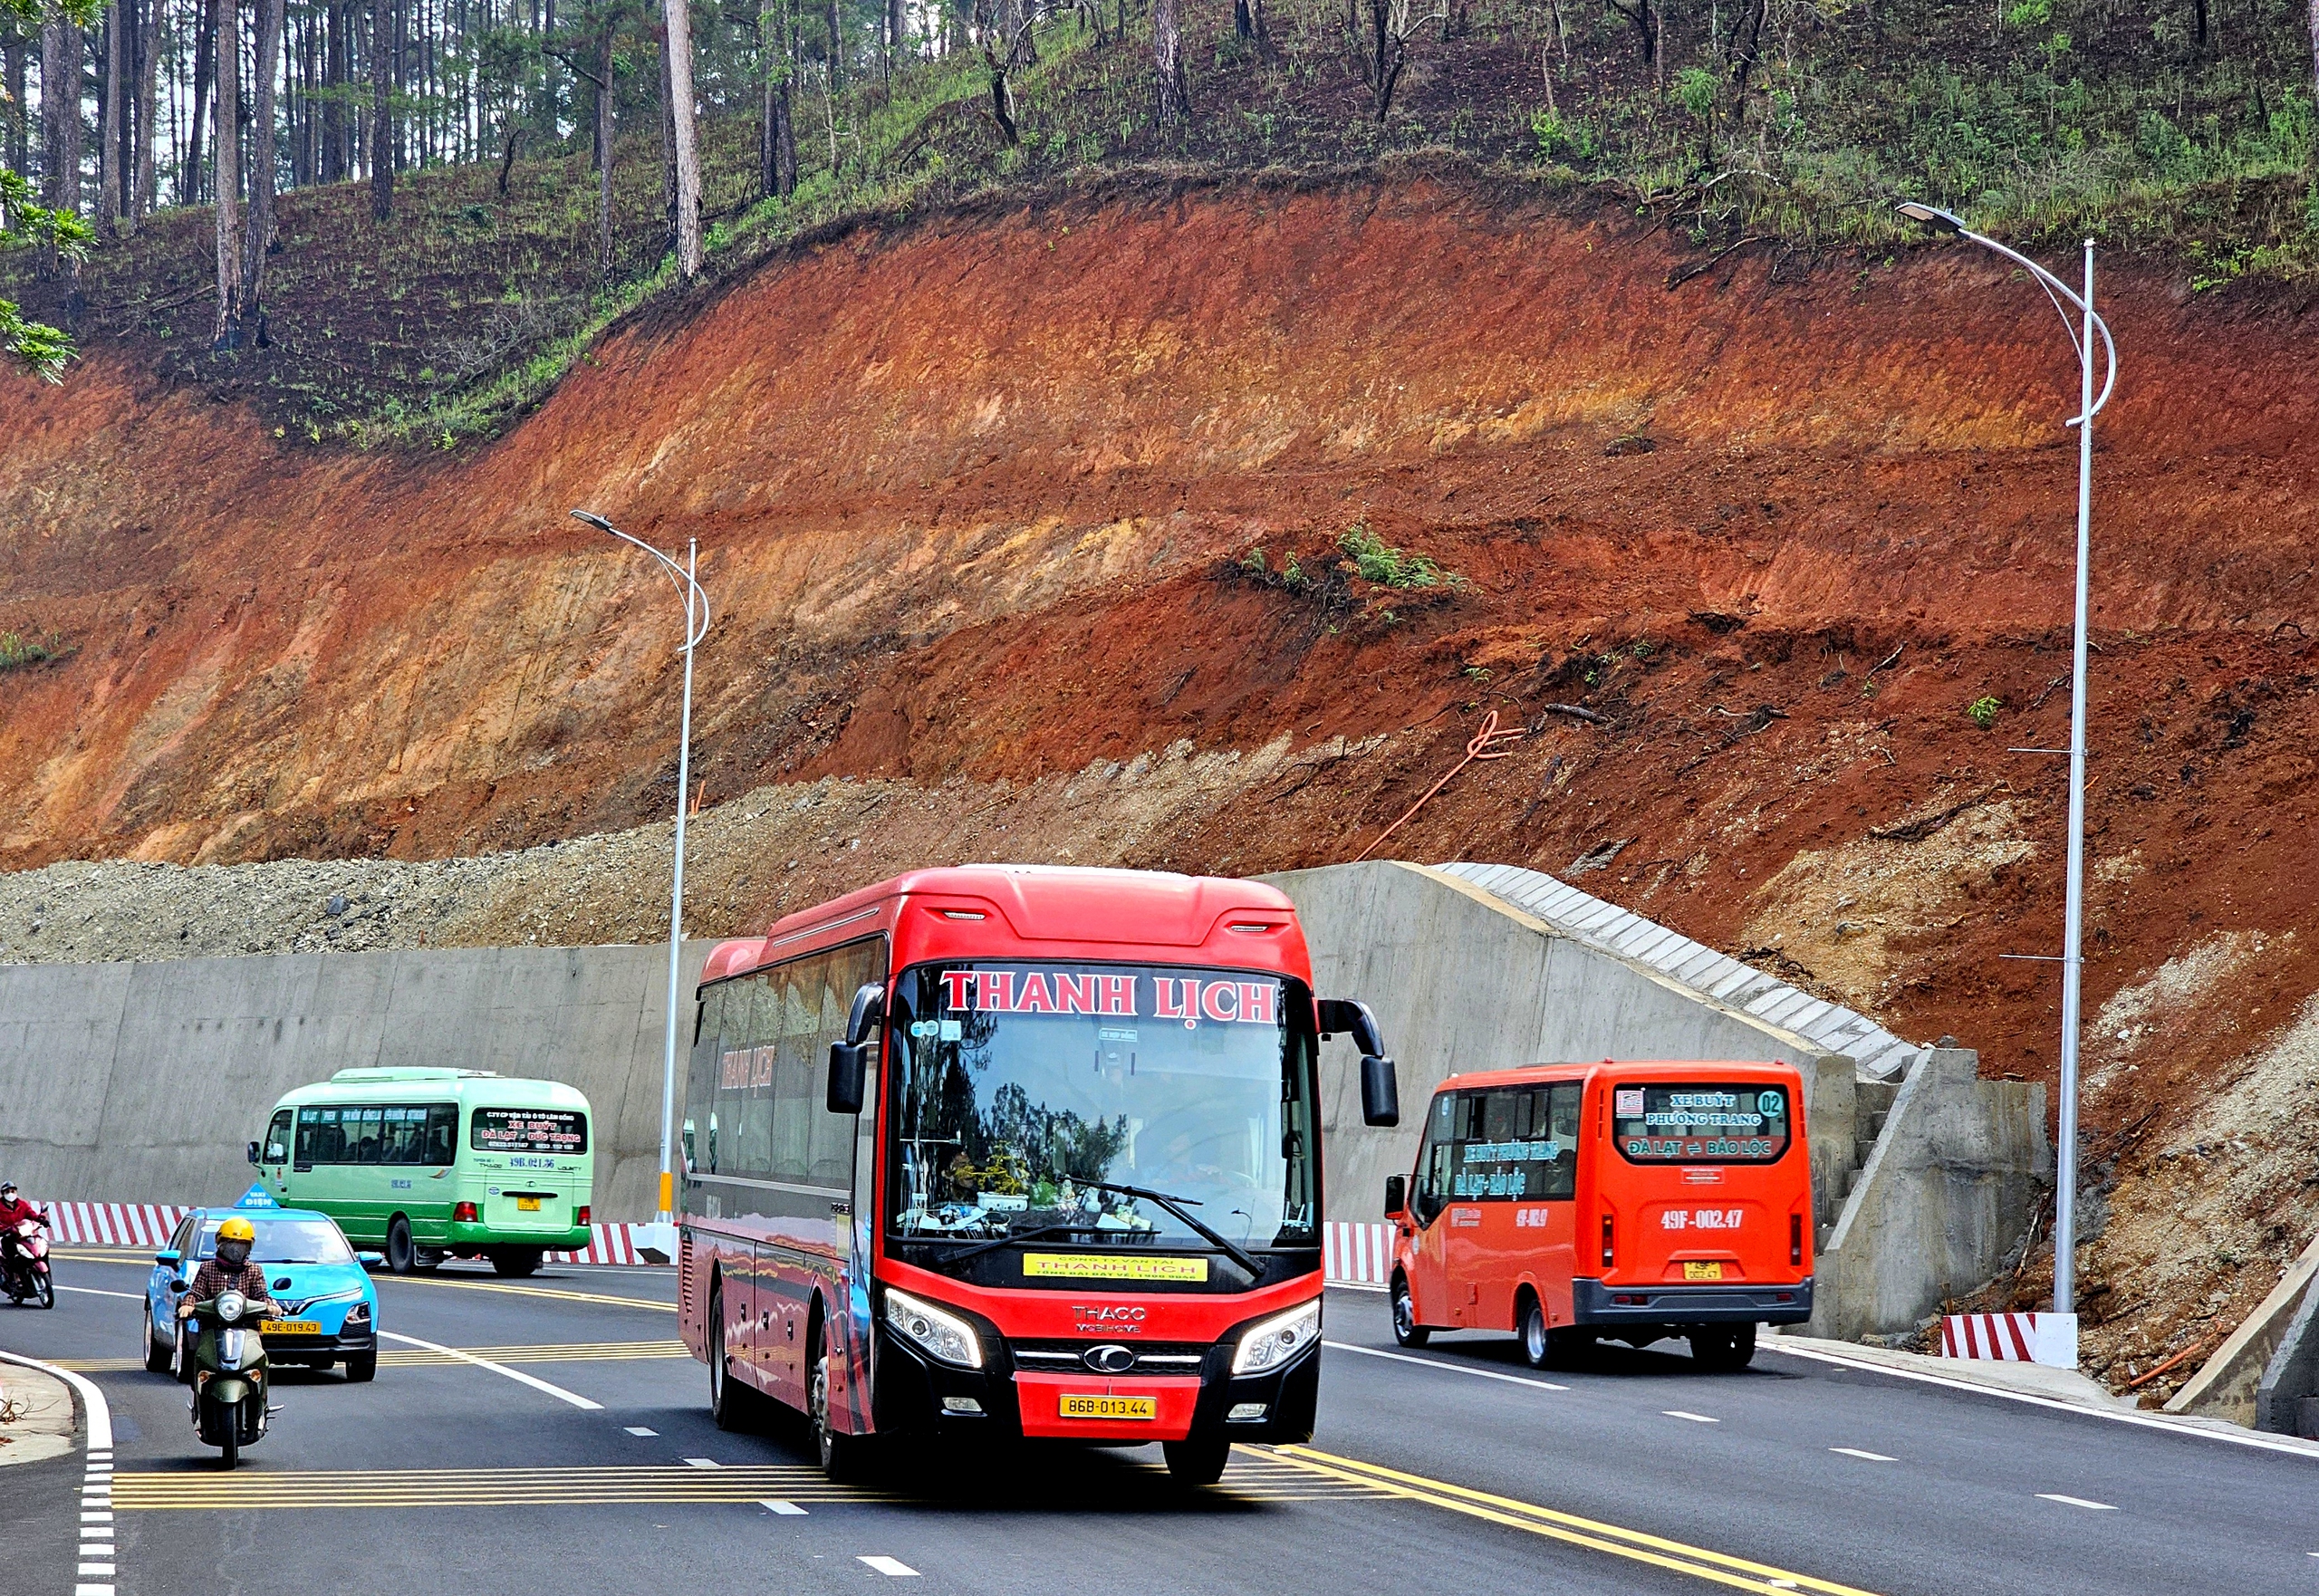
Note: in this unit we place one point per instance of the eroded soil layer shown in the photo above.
(980, 501)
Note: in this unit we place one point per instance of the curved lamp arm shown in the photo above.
(694, 597)
(1946, 222)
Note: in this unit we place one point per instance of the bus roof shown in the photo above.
(410, 1074)
(1681, 1069)
(1037, 902)
(433, 1085)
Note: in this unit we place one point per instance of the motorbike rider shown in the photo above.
(230, 1270)
(14, 1211)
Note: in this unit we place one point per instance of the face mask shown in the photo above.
(233, 1253)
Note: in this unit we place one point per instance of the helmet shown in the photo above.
(7, 1187)
(236, 1229)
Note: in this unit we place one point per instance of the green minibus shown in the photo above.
(426, 1164)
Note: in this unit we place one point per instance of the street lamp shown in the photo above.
(2088, 406)
(685, 581)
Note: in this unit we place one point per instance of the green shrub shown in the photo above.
(17, 650)
(1982, 711)
(1379, 561)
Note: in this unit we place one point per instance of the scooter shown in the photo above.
(230, 1383)
(23, 1267)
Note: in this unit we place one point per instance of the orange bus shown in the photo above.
(1630, 1201)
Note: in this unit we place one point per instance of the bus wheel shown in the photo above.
(400, 1254)
(843, 1457)
(517, 1261)
(1724, 1348)
(1198, 1461)
(1407, 1330)
(1537, 1341)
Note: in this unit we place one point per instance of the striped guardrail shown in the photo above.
(112, 1225)
(1356, 1254)
(2012, 1338)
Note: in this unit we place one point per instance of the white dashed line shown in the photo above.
(1544, 1385)
(1694, 1418)
(2076, 1501)
(791, 1510)
(702, 1463)
(891, 1565)
(1864, 1456)
(517, 1375)
(91, 1589)
(638, 1429)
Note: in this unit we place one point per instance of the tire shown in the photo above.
(844, 1458)
(231, 1452)
(1407, 1330)
(156, 1356)
(362, 1367)
(1197, 1461)
(43, 1290)
(518, 1261)
(1537, 1336)
(728, 1402)
(1723, 1349)
(401, 1252)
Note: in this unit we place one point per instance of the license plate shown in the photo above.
(289, 1327)
(527, 1205)
(1076, 1407)
(1702, 1272)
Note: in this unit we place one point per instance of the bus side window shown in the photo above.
(442, 1133)
(1561, 1124)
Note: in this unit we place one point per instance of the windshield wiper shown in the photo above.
(1174, 1205)
(979, 1248)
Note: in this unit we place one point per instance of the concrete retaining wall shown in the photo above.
(1946, 1190)
(1461, 981)
(142, 1082)
(2228, 1383)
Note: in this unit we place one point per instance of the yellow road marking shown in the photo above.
(1252, 1478)
(1721, 1568)
(531, 1291)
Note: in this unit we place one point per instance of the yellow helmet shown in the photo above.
(236, 1229)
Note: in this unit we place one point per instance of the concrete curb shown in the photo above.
(46, 1421)
(2036, 1380)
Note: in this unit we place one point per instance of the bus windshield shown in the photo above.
(1017, 1088)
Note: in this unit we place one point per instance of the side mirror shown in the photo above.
(180, 1287)
(169, 1255)
(1343, 1014)
(1381, 1092)
(370, 1260)
(253, 1152)
(1397, 1196)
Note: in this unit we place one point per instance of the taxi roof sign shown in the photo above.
(257, 1196)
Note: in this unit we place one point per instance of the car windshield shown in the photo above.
(1017, 1088)
(284, 1241)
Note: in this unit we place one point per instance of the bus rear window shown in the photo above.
(1699, 1124)
(528, 1130)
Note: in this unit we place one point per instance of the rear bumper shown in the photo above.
(1593, 1302)
(568, 1239)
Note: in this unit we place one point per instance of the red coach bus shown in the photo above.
(1632, 1201)
(1005, 1150)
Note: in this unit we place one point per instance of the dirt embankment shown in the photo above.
(976, 500)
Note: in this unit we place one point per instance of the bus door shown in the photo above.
(1429, 1210)
(274, 1155)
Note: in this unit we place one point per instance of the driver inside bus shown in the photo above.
(230, 1270)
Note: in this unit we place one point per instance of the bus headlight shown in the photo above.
(1275, 1341)
(937, 1334)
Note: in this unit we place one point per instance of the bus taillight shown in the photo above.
(582, 1218)
(463, 1214)
(1796, 1238)
(1606, 1241)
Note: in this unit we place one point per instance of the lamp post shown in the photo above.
(685, 578)
(2072, 919)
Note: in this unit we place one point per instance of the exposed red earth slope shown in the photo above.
(973, 496)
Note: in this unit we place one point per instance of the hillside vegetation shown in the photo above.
(1784, 127)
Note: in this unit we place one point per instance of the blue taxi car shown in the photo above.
(330, 1307)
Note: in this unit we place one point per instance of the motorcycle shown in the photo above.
(24, 1265)
(230, 1383)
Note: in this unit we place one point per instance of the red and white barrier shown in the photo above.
(1356, 1254)
(2012, 1338)
(112, 1225)
(623, 1244)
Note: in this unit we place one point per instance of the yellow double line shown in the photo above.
(419, 1358)
(1721, 1568)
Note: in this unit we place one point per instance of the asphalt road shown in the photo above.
(1451, 1470)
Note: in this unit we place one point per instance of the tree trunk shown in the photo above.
(383, 124)
(2315, 46)
(604, 130)
(837, 51)
(112, 138)
(334, 163)
(260, 239)
(1168, 67)
(688, 136)
(13, 146)
(668, 147)
(226, 136)
(897, 33)
(204, 57)
(777, 147)
(144, 195)
(61, 50)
